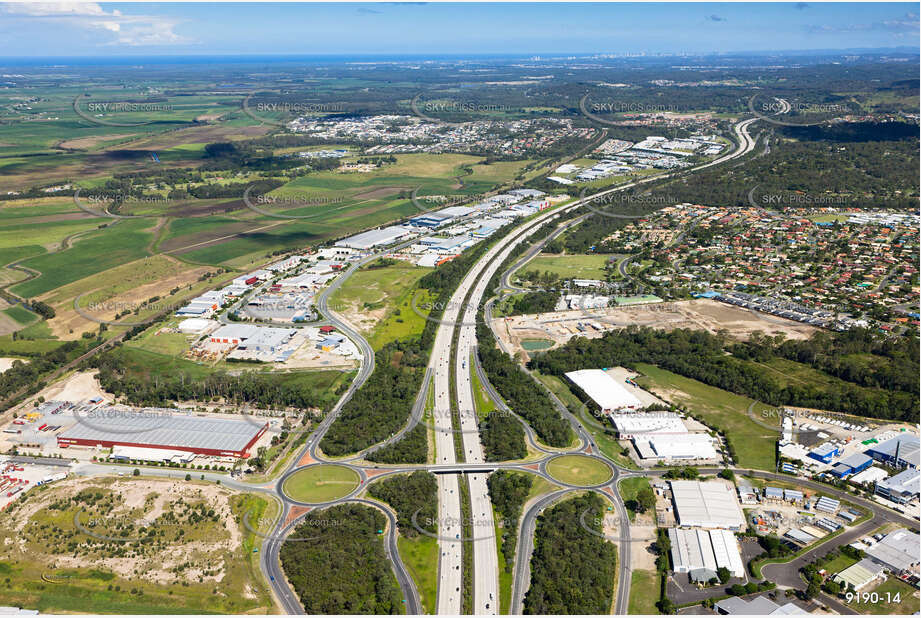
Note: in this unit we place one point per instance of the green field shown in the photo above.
(568, 266)
(98, 251)
(320, 483)
(578, 470)
(532, 345)
(629, 488)
(906, 606)
(644, 592)
(20, 314)
(754, 445)
(420, 555)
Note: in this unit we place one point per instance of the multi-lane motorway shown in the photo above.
(455, 341)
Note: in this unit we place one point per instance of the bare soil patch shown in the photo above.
(83, 143)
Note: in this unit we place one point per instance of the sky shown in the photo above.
(399, 28)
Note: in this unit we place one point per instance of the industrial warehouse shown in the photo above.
(700, 553)
(710, 504)
(607, 393)
(217, 437)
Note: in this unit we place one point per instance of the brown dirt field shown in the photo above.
(700, 314)
(195, 135)
(67, 319)
(177, 243)
(84, 143)
(153, 497)
(380, 192)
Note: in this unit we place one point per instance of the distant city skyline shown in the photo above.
(418, 28)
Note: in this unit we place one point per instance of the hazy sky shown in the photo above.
(116, 29)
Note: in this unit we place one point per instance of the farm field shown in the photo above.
(753, 443)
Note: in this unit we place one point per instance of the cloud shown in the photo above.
(908, 24)
(114, 27)
(716, 18)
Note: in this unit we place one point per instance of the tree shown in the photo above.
(727, 474)
(724, 574)
(645, 499)
(136, 472)
(188, 477)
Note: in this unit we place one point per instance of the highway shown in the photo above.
(458, 319)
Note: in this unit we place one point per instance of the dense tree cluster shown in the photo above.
(502, 437)
(343, 568)
(572, 570)
(381, 406)
(126, 375)
(412, 496)
(30, 374)
(411, 448)
(702, 356)
(534, 302)
(508, 492)
(521, 392)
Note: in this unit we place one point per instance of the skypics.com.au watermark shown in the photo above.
(257, 110)
(260, 202)
(423, 109)
(791, 112)
(623, 205)
(601, 111)
(102, 202)
(97, 111)
(794, 199)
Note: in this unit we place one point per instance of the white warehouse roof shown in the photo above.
(374, 238)
(604, 390)
(630, 425)
(711, 504)
(672, 447)
(705, 549)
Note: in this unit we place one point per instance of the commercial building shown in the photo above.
(711, 504)
(195, 326)
(253, 338)
(870, 476)
(858, 462)
(375, 238)
(901, 488)
(827, 505)
(860, 575)
(645, 424)
(161, 430)
(901, 451)
(685, 446)
(898, 551)
(759, 606)
(607, 393)
(693, 550)
(824, 453)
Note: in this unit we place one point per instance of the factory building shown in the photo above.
(898, 551)
(759, 606)
(607, 393)
(860, 575)
(902, 451)
(204, 436)
(824, 453)
(711, 504)
(858, 462)
(253, 338)
(701, 552)
(901, 488)
(644, 424)
(375, 238)
(675, 447)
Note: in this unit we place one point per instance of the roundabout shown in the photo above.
(579, 470)
(320, 483)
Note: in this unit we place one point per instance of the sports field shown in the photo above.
(568, 266)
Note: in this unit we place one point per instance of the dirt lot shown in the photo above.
(700, 314)
(88, 142)
(78, 387)
(171, 273)
(137, 500)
